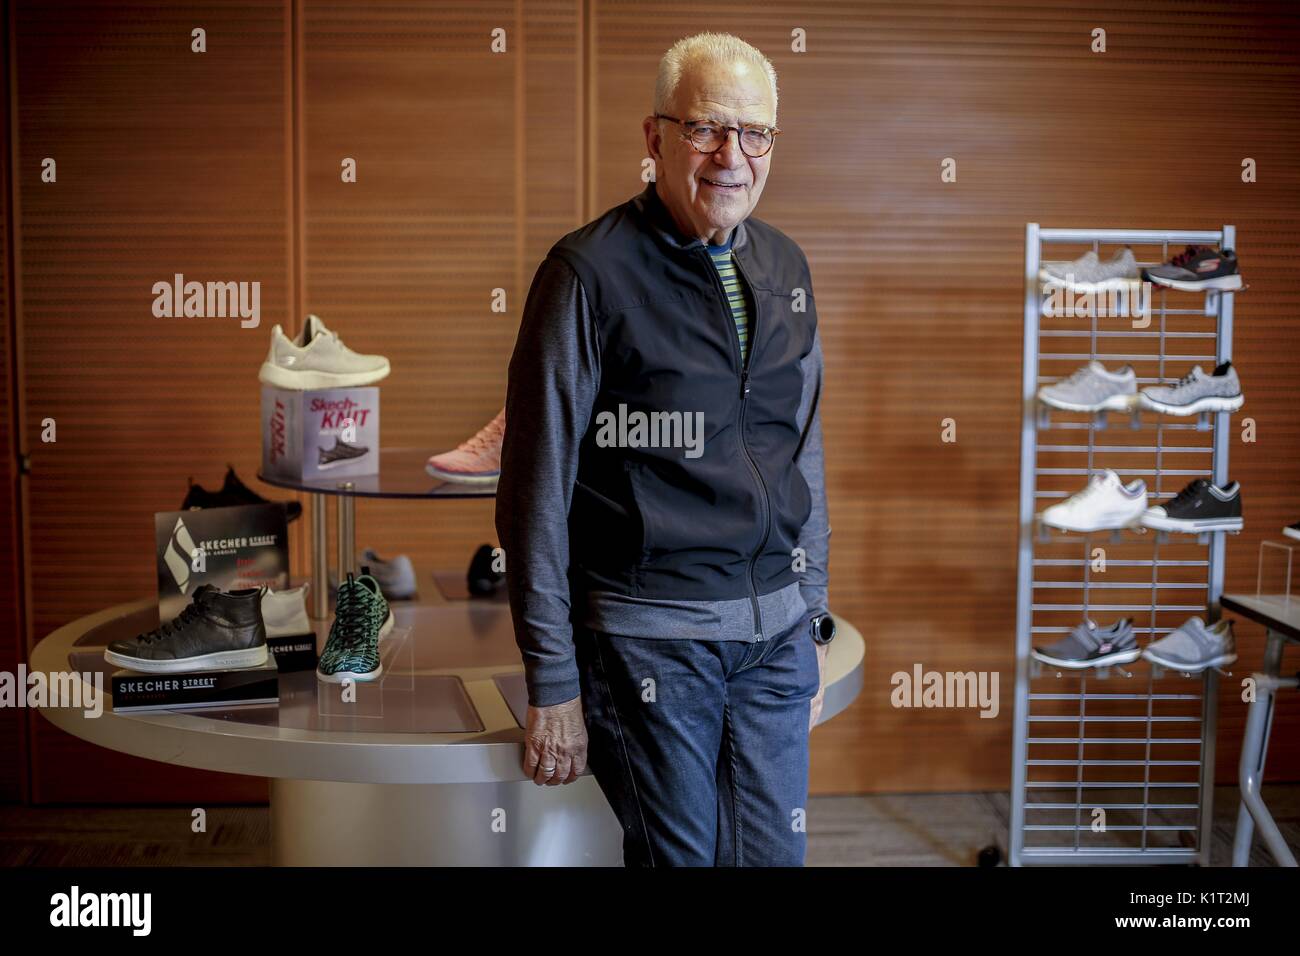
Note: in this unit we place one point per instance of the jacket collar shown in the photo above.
(654, 211)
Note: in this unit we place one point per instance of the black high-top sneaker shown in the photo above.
(340, 454)
(217, 630)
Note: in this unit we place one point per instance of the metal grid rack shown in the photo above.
(1129, 746)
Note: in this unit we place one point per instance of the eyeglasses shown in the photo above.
(709, 137)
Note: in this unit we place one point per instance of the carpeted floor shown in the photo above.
(889, 830)
(949, 829)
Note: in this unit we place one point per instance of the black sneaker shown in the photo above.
(340, 454)
(232, 494)
(217, 630)
(1200, 506)
(1197, 268)
(236, 490)
(1292, 531)
(482, 578)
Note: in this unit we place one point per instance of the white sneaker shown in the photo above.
(1105, 504)
(285, 612)
(1093, 389)
(317, 358)
(1088, 274)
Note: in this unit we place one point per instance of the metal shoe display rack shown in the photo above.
(1115, 765)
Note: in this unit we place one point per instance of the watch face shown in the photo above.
(824, 628)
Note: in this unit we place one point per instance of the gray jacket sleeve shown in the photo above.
(814, 539)
(554, 378)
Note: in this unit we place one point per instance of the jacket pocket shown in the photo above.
(794, 506)
(682, 512)
(601, 529)
(656, 523)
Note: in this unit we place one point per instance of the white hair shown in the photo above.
(706, 48)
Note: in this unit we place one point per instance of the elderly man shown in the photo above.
(669, 594)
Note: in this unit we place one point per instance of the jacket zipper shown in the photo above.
(743, 364)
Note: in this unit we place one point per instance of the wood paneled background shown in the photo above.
(168, 162)
(13, 722)
(226, 165)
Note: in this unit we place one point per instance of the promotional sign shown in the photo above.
(232, 548)
(293, 652)
(325, 433)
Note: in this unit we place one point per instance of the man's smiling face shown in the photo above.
(708, 194)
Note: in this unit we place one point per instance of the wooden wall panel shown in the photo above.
(919, 292)
(13, 722)
(472, 163)
(168, 161)
(466, 176)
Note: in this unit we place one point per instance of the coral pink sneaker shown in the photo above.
(476, 461)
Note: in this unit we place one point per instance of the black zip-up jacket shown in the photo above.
(724, 540)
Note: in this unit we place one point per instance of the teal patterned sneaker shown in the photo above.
(361, 618)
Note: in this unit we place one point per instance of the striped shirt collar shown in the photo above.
(725, 247)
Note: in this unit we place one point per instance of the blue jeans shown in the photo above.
(701, 747)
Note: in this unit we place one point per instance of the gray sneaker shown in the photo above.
(1091, 646)
(1088, 274)
(1092, 389)
(396, 577)
(1195, 392)
(1194, 647)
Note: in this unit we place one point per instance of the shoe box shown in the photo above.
(298, 426)
(293, 652)
(232, 687)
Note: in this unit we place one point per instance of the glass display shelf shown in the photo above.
(401, 475)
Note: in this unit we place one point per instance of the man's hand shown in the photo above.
(816, 710)
(555, 743)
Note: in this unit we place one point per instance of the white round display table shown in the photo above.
(422, 768)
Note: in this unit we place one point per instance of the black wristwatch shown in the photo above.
(823, 628)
